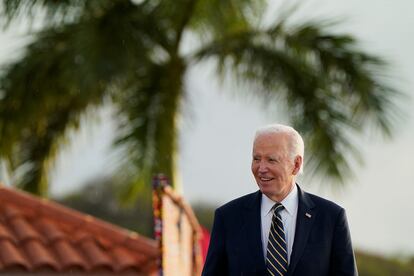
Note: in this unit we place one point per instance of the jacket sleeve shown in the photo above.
(216, 261)
(342, 257)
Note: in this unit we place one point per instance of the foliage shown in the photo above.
(98, 198)
(204, 213)
(375, 265)
(130, 54)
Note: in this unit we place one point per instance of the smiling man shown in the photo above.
(280, 229)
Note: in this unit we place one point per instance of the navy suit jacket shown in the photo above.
(322, 244)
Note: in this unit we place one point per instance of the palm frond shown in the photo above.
(62, 73)
(219, 17)
(149, 106)
(330, 88)
(56, 13)
(35, 153)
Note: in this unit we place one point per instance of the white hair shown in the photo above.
(296, 144)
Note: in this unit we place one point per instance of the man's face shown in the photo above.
(272, 166)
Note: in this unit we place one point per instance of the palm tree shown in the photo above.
(130, 54)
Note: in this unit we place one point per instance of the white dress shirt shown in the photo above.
(288, 214)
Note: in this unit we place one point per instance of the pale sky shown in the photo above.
(216, 141)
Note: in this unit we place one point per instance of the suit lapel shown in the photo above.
(252, 232)
(304, 221)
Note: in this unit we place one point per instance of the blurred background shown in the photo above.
(359, 144)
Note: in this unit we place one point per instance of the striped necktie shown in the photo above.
(276, 257)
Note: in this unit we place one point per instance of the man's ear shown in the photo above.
(297, 162)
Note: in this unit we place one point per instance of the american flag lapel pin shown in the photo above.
(308, 215)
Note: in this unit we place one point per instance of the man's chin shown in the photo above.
(266, 189)
(266, 185)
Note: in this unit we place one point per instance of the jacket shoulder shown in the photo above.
(324, 204)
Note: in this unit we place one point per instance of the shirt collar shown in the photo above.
(290, 203)
(267, 205)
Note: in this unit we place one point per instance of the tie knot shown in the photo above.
(278, 207)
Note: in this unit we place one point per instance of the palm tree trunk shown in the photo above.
(168, 120)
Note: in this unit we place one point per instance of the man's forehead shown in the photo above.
(271, 138)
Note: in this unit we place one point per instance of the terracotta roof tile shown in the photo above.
(125, 260)
(10, 255)
(49, 230)
(39, 255)
(5, 234)
(9, 212)
(23, 230)
(95, 254)
(68, 256)
(40, 235)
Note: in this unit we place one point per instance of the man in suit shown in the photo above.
(280, 229)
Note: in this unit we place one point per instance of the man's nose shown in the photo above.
(262, 167)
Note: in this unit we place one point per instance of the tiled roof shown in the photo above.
(40, 235)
